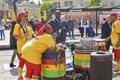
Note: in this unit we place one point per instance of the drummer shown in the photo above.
(115, 39)
(32, 51)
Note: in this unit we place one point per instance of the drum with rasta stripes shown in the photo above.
(82, 56)
(54, 67)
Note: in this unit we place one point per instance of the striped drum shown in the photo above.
(82, 56)
(53, 65)
(82, 61)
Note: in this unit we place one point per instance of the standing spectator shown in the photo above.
(89, 30)
(23, 33)
(13, 45)
(31, 22)
(106, 32)
(60, 27)
(115, 39)
(71, 27)
(2, 29)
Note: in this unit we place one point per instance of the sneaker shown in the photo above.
(12, 65)
(20, 78)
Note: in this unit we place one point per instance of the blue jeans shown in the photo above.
(2, 34)
(71, 33)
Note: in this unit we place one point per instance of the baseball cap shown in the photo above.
(114, 14)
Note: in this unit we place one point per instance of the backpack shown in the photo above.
(13, 41)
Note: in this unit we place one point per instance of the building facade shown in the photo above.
(47, 0)
(26, 6)
(77, 3)
(3, 7)
(110, 2)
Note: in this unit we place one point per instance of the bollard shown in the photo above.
(101, 66)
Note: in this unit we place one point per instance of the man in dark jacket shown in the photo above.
(32, 24)
(106, 32)
(60, 27)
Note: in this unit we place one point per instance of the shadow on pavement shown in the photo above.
(14, 71)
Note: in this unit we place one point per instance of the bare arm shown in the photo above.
(108, 38)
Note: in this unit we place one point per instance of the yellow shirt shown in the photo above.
(32, 50)
(115, 33)
(18, 31)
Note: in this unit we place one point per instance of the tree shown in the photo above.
(94, 2)
(46, 6)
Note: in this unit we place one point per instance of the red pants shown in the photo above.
(32, 69)
(116, 54)
(22, 62)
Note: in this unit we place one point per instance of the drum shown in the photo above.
(101, 44)
(82, 64)
(82, 61)
(82, 57)
(53, 65)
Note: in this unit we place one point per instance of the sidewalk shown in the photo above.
(5, 43)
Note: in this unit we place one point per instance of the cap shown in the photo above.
(20, 15)
(114, 14)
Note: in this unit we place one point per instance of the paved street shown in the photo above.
(7, 73)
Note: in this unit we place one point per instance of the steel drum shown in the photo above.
(53, 65)
(82, 56)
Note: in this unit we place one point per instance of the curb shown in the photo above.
(4, 47)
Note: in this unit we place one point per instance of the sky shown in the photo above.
(36, 1)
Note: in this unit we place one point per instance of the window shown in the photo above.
(66, 3)
(71, 3)
(59, 4)
(55, 4)
(3, 7)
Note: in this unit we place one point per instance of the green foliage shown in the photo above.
(94, 2)
(47, 6)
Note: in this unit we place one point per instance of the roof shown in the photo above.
(91, 8)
